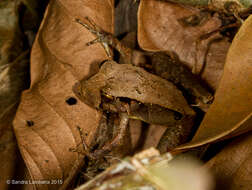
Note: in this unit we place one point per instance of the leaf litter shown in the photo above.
(14, 76)
(59, 130)
(232, 106)
(45, 145)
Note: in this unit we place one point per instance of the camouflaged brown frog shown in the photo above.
(135, 93)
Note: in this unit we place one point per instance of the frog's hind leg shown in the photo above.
(122, 139)
(106, 40)
(85, 150)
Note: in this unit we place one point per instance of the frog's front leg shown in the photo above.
(119, 140)
(107, 40)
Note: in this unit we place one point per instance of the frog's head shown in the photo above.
(90, 97)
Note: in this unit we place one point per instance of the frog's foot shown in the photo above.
(82, 152)
(101, 36)
(85, 150)
(121, 140)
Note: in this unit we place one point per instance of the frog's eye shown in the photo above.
(100, 64)
(108, 96)
(177, 116)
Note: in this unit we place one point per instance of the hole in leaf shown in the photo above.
(29, 123)
(71, 101)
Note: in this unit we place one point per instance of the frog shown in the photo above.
(134, 93)
(149, 98)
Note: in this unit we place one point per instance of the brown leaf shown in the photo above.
(130, 40)
(230, 114)
(14, 68)
(232, 166)
(135, 132)
(160, 29)
(48, 115)
(153, 136)
(220, 5)
(126, 17)
(8, 148)
(215, 61)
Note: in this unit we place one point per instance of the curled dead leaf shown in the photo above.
(154, 134)
(14, 77)
(230, 6)
(231, 112)
(8, 147)
(232, 166)
(126, 17)
(160, 29)
(48, 117)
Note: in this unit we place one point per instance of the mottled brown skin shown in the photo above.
(157, 96)
(172, 70)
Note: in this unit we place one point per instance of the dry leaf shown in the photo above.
(14, 77)
(232, 166)
(49, 114)
(215, 61)
(160, 29)
(126, 17)
(219, 5)
(8, 148)
(135, 132)
(231, 112)
(130, 40)
(153, 136)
